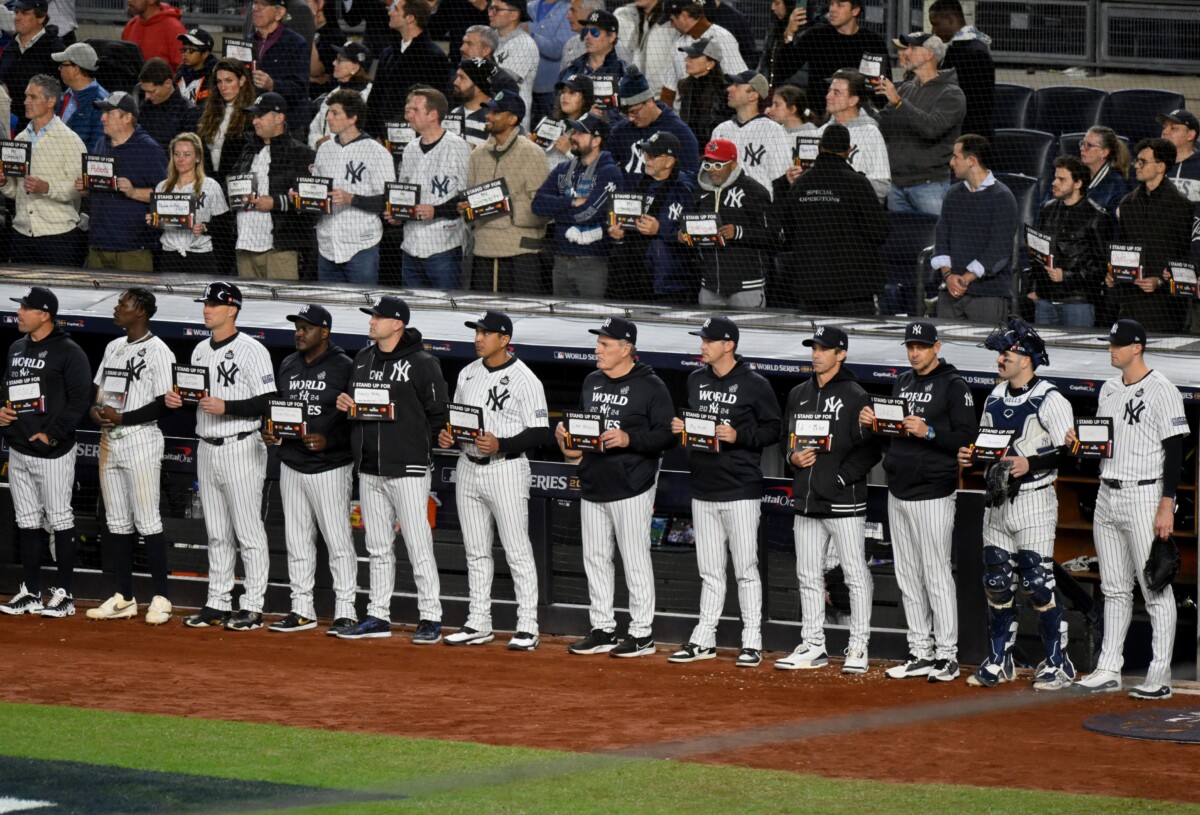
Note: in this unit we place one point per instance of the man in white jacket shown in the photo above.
(847, 95)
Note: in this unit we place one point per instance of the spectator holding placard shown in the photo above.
(189, 248)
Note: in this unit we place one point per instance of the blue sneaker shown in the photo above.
(369, 628)
(428, 633)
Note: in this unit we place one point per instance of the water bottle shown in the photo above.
(197, 508)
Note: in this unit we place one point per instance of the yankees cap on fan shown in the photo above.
(1126, 332)
(922, 332)
(221, 293)
(267, 103)
(618, 328)
(313, 315)
(497, 322)
(41, 298)
(662, 143)
(389, 306)
(718, 328)
(829, 336)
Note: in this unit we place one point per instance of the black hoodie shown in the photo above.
(401, 447)
(744, 400)
(66, 384)
(639, 404)
(918, 469)
(836, 485)
(317, 384)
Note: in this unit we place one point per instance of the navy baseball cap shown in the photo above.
(661, 143)
(580, 83)
(497, 322)
(592, 125)
(197, 37)
(507, 102)
(356, 52)
(718, 328)
(390, 306)
(829, 336)
(922, 332)
(41, 298)
(1180, 117)
(33, 5)
(313, 315)
(221, 293)
(267, 103)
(1126, 332)
(118, 100)
(618, 328)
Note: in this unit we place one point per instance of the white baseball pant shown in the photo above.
(922, 536)
(498, 490)
(404, 499)
(231, 479)
(1124, 530)
(131, 479)
(312, 502)
(42, 487)
(848, 536)
(1029, 522)
(714, 523)
(628, 520)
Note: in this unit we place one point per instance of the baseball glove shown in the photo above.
(1162, 565)
(999, 484)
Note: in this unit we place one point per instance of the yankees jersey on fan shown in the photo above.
(764, 148)
(512, 398)
(238, 368)
(148, 361)
(1144, 415)
(518, 54)
(210, 204)
(361, 168)
(474, 124)
(1040, 417)
(441, 171)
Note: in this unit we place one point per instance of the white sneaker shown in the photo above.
(114, 608)
(913, 665)
(468, 636)
(803, 658)
(60, 604)
(1100, 681)
(855, 662)
(159, 610)
(1147, 691)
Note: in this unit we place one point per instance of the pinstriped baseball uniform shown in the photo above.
(513, 400)
(1144, 414)
(231, 472)
(131, 457)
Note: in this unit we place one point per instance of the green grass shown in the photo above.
(454, 777)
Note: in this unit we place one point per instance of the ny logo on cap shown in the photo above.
(820, 331)
(258, 101)
(29, 294)
(607, 322)
(916, 329)
(1113, 330)
(304, 310)
(654, 138)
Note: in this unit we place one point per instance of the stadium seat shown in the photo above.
(911, 233)
(1067, 108)
(1013, 106)
(1026, 190)
(1132, 112)
(1023, 152)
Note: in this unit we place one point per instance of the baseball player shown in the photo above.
(1018, 533)
(130, 388)
(393, 457)
(45, 394)
(315, 474)
(1136, 503)
(617, 485)
(231, 460)
(492, 480)
(830, 493)
(727, 487)
(939, 418)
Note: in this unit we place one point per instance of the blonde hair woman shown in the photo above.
(190, 250)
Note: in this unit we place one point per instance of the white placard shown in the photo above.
(1038, 243)
(371, 396)
(24, 391)
(481, 199)
(1181, 273)
(1093, 432)
(812, 427)
(700, 427)
(1125, 259)
(464, 419)
(240, 187)
(889, 412)
(628, 206)
(284, 414)
(993, 441)
(702, 226)
(116, 384)
(312, 190)
(14, 154)
(173, 206)
(583, 427)
(100, 169)
(601, 87)
(190, 382)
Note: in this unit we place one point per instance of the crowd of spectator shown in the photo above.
(742, 186)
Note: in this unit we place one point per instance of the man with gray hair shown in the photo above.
(28, 54)
(46, 217)
(920, 124)
(480, 42)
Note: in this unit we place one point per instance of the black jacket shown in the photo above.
(744, 400)
(65, 379)
(639, 404)
(920, 469)
(1081, 237)
(16, 69)
(1161, 223)
(317, 385)
(288, 61)
(972, 60)
(289, 158)
(702, 103)
(422, 63)
(402, 447)
(836, 485)
(740, 264)
(166, 121)
(832, 192)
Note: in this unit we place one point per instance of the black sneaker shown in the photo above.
(597, 642)
(689, 652)
(207, 617)
(428, 633)
(60, 604)
(339, 625)
(23, 602)
(244, 621)
(943, 670)
(292, 622)
(633, 646)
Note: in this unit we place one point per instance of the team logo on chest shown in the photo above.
(227, 373)
(733, 198)
(754, 154)
(833, 405)
(441, 185)
(135, 367)
(355, 170)
(497, 398)
(400, 371)
(1133, 412)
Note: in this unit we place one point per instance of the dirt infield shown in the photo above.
(555, 700)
